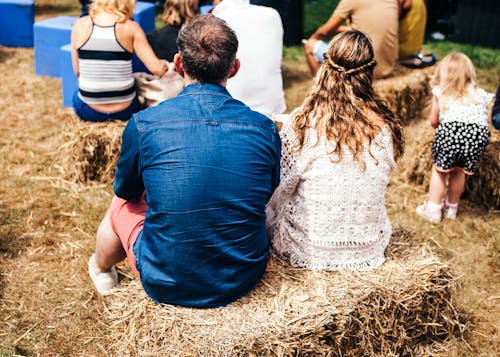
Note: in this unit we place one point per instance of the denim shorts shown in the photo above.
(319, 50)
(86, 113)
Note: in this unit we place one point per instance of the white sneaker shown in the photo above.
(450, 212)
(104, 281)
(432, 216)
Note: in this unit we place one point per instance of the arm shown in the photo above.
(74, 57)
(286, 181)
(77, 39)
(128, 181)
(434, 115)
(289, 170)
(332, 25)
(145, 52)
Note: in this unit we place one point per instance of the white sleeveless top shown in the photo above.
(331, 215)
(105, 69)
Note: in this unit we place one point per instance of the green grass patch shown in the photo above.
(483, 57)
(293, 53)
(316, 12)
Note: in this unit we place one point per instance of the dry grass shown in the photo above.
(407, 92)
(47, 304)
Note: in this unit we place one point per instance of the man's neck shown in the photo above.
(188, 80)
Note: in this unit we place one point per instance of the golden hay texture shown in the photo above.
(482, 188)
(91, 150)
(407, 92)
(399, 309)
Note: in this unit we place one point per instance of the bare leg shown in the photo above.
(456, 186)
(437, 186)
(108, 248)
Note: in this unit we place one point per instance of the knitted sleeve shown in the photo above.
(289, 175)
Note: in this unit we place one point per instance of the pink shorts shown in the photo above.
(127, 220)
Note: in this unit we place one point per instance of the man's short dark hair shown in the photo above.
(208, 49)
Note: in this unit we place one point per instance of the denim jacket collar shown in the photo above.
(205, 88)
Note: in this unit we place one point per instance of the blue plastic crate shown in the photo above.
(16, 23)
(49, 36)
(144, 15)
(204, 9)
(68, 77)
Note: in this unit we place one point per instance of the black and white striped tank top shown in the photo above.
(105, 69)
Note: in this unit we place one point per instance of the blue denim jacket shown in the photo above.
(209, 165)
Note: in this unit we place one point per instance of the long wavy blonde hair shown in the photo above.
(454, 75)
(335, 106)
(180, 12)
(122, 9)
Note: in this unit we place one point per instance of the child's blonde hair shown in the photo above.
(335, 105)
(180, 12)
(123, 9)
(453, 76)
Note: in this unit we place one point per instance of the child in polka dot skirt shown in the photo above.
(460, 115)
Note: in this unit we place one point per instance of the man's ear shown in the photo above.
(236, 67)
(178, 64)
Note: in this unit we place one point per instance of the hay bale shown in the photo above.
(407, 93)
(419, 169)
(91, 151)
(395, 309)
(482, 189)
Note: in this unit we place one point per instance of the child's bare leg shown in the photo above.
(437, 186)
(456, 186)
(108, 248)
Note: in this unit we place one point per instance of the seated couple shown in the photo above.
(196, 174)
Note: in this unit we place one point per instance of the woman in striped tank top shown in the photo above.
(102, 45)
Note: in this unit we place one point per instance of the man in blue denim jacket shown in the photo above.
(192, 182)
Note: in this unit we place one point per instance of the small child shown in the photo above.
(460, 115)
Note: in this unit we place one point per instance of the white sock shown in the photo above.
(434, 207)
(451, 205)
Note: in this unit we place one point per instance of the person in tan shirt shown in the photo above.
(376, 18)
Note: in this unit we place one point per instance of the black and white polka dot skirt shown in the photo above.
(459, 145)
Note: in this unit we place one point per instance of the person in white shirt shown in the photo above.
(259, 83)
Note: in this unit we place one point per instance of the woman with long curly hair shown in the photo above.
(338, 149)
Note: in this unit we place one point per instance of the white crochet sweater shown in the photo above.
(328, 215)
